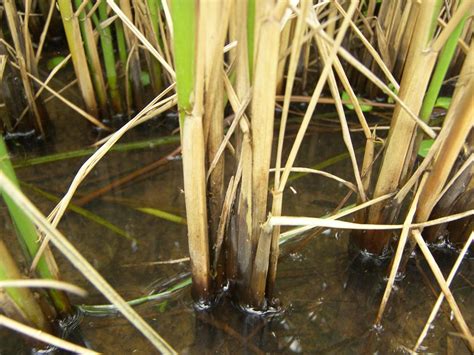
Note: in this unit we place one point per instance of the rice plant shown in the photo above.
(227, 65)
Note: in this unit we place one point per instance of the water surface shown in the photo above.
(329, 296)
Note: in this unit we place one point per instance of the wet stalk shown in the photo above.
(277, 192)
(216, 24)
(460, 116)
(395, 165)
(262, 112)
(189, 81)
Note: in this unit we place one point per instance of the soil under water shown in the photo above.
(329, 297)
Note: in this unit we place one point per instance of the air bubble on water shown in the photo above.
(267, 310)
(134, 245)
(366, 254)
(312, 316)
(295, 346)
(175, 157)
(296, 256)
(400, 275)
(202, 305)
(378, 328)
(225, 288)
(285, 325)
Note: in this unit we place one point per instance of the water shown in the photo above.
(329, 297)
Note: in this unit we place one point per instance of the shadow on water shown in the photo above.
(329, 296)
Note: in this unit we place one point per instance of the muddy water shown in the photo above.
(329, 297)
